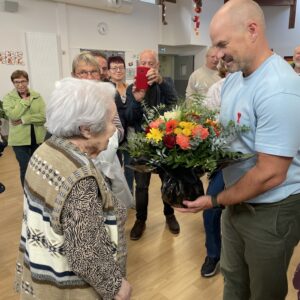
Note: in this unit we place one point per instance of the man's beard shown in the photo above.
(231, 64)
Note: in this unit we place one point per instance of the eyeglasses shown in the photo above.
(85, 74)
(21, 82)
(115, 69)
(150, 64)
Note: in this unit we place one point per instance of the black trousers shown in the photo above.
(142, 181)
(23, 155)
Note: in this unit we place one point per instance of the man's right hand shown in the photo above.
(125, 291)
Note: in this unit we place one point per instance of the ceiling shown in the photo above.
(291, 3)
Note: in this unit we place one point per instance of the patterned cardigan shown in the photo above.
(67, 250)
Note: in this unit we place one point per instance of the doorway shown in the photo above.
(179, 68)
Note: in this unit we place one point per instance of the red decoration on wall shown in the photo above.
(196, 17)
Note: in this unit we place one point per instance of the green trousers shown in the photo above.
(257, 245)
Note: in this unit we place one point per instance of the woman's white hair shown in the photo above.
(77, 102)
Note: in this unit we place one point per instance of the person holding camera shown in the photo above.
(25, 110)
(160, 91)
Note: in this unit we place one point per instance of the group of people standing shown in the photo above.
(72, 220)
(73, 244)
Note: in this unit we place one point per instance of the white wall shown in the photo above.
(282, 39)
(76, 27)
(180, 28)
(133, 32)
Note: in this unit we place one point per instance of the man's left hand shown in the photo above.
(154, 76)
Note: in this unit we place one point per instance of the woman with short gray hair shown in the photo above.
(72, 242)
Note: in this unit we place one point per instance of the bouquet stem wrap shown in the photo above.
(180, 184)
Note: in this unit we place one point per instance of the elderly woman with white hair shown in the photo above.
(72, 242)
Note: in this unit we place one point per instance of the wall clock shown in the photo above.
(102, 28)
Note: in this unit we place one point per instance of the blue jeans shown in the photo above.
(23, 154)
(212, 218)
(142, 181)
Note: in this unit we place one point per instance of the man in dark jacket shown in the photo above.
(160, 91)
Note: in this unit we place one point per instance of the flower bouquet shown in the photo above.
(181, 145)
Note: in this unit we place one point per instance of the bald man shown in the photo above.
(261, 220)
(204, 77)
(296, 60)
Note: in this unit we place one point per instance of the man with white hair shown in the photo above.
(204, 77)
(160, 91)
(261, 221)
(296, 60)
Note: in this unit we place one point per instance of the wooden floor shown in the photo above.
(161, 266)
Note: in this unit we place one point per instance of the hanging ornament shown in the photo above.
(163, 12)
(196, 17)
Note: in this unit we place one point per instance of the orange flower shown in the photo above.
(200, 131)
(156, 123)
(170, 126)
(204, 133)
(211, 122)
(183, 141)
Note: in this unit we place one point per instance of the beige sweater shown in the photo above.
(66, 249)
(201, 80)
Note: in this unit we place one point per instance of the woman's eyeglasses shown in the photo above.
(115, 69)
(20, 82)
(86, 74)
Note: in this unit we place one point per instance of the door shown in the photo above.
(183, 68)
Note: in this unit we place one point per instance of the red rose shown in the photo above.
(147, 129)
(170, 126)
(169, 141)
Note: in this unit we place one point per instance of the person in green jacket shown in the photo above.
(25, 110)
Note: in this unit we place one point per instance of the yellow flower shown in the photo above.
(155, 134)
(177, 130)
(187, 125)
(186, 131)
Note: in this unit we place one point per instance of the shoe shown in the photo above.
(2, 188)
(210, 266)
(172, 224)
(137, 230)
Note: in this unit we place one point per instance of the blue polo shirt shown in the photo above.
(268, 102)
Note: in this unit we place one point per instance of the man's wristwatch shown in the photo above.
(214, 201)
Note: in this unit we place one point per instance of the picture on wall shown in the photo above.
(2, 57)
(11, 57)
(19, 58)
